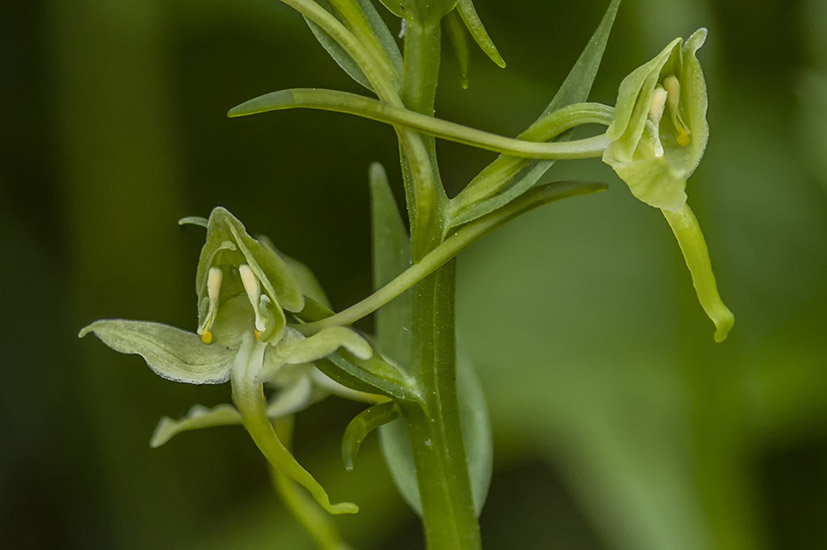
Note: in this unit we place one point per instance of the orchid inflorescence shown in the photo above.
(264, 322)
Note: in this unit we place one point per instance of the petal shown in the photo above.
(197, 418)
(172, 353)
(693, 246)
(291, 399)
(324, 343)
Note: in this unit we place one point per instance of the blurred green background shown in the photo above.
(618, 423)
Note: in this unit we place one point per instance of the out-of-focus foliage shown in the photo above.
(617, 423)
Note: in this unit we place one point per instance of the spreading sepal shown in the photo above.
(170, 352)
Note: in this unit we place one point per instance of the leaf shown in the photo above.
(374, 375)
(419, 10)
(391, 256)
(476, 430)
(472, 21)
(385, 36)
(456, 30)
(343, 59)
(339, 55)
(198, 417)
(365, 422)
(525, 174)
(170, 352)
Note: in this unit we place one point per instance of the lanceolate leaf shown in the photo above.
(370, 376)
(341, 57)
(472, 21)
(172, 353)
(365, 422)
(385, 36)
(476, 430)
(525, 174)
(391, 256)
(459, 39)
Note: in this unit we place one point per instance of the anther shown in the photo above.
(673, 89)
(656, 108)
(253, 289)
(214, 278)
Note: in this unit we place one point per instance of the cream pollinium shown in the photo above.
(668, 96)
(252, 287)
(656, 108)
(214, 279)
(673, 95)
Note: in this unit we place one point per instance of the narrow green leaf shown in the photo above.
(476, 430)
(377, 28)
(419, 10)
(456, 30)
(472, 21)
(391, 256)
(365, 422)
(198, 417)
(519, 174)
(339, 55)
(170, 352)
(374, 375)
(385, 36)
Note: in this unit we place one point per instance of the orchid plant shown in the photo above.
(266, 327)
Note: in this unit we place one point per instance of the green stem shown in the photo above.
(419, 83)
(435, 429)
(458, 241)
(552, 125)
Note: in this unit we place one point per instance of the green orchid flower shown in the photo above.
(658, 137)
(244, 287)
